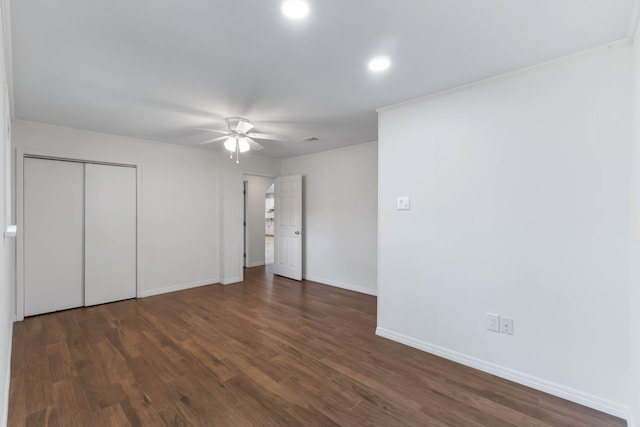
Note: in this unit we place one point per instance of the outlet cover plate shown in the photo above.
(506, 325)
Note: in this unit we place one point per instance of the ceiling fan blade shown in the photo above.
(209, 141)
(267, 136)
(254, 145)
(224, 132)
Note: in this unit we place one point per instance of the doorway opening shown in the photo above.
(258, 221)
(269, 216)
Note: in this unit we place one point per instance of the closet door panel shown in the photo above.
(110, 233)
(53, 235)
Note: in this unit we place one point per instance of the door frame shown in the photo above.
(21, 154)
(247, 236)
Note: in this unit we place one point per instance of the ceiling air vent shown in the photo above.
(310, 139)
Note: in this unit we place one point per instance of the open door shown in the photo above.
(245, 235)
(288, 227)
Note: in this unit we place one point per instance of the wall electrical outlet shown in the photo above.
(493, 322)
(506, 325)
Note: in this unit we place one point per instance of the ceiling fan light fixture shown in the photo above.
(243, 145)
(295, 9)
(230, 144)
(237, 139)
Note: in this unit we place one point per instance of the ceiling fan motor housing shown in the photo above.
(239, 124)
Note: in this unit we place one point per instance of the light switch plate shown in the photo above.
(404, 203)
(493, 322)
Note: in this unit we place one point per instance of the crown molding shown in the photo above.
(511, 74)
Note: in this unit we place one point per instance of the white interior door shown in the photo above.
(245, 235)
(288, 227)
(110, 233)
(53, 235)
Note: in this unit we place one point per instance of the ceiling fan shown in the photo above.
(238, 138)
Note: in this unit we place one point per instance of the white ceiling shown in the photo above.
(160, 69)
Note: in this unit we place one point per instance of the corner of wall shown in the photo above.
(7, 312)
(634, 283)
(348, 286)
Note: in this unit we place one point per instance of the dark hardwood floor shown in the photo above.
(269, 351)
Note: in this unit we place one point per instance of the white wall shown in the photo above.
(520, 206)
(257, 165)
(231, 222)
(6, 246)
(634, 297)
(256, 189)
(180, 212)
(340, 216)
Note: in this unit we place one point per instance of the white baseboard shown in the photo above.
(256, 264)
(5, 409)
(568, 393)
(231, 280)
(347, 286)
(174, 288)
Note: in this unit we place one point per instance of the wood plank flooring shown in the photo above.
(266, 352)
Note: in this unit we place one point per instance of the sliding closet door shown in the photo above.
(110, 231)
(53, 235)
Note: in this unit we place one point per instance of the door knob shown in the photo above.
(297, 232)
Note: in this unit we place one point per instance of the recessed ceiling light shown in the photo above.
(379, 63)
(295, 9)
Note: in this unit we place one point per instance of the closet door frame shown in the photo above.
(21, 154)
